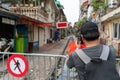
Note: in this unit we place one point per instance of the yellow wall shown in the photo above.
(109, 33)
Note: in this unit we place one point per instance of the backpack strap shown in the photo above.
(105, 52)
(86, 59)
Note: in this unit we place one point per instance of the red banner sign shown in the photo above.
(62, 24)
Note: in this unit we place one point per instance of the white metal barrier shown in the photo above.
(118, 64)
(42, 67)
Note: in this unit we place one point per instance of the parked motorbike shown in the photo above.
(6, 46)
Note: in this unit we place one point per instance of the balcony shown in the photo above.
(111, 15)
(110, 7)
(33, 12)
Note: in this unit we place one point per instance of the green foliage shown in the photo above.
(76, 34)
(99, 3)
(81, 7)
(79, 24)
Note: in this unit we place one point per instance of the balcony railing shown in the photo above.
(33, 12)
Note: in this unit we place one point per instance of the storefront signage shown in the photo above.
(8, 21)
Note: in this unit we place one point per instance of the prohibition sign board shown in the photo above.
(17, 65)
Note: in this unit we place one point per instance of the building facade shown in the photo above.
(38, 18)
(110, 26)
(106, 14)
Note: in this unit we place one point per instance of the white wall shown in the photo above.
(35, 34)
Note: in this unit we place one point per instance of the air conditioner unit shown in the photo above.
(112, 5)
(42, 4)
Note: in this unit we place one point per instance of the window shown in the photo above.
(116, 30)
(26, 1)
(119, 32)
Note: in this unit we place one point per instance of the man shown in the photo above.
(90, 36)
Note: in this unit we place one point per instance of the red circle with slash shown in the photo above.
(17, 65)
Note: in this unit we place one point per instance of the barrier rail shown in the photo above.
(42, 67)
(118, 64)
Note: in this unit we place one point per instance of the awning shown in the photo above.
(8, 15)
(35, 22)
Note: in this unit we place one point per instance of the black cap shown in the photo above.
(88, 27)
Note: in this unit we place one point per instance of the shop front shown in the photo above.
(38, 33)
(7, 26)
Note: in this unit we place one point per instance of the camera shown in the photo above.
(79, 39)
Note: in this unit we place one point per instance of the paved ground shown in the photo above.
(39, 72)
(53, 48)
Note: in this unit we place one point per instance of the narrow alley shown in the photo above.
(37, 37)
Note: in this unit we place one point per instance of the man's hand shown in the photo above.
(77, 44)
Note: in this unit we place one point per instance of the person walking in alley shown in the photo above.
(57, 35)
(96, 61)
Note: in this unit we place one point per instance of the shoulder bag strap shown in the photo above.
(105, 52)
(86, 59)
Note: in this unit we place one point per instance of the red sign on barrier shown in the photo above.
(62, 24)
(17, 65)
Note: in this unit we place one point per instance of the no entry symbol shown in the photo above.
(17, 65)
